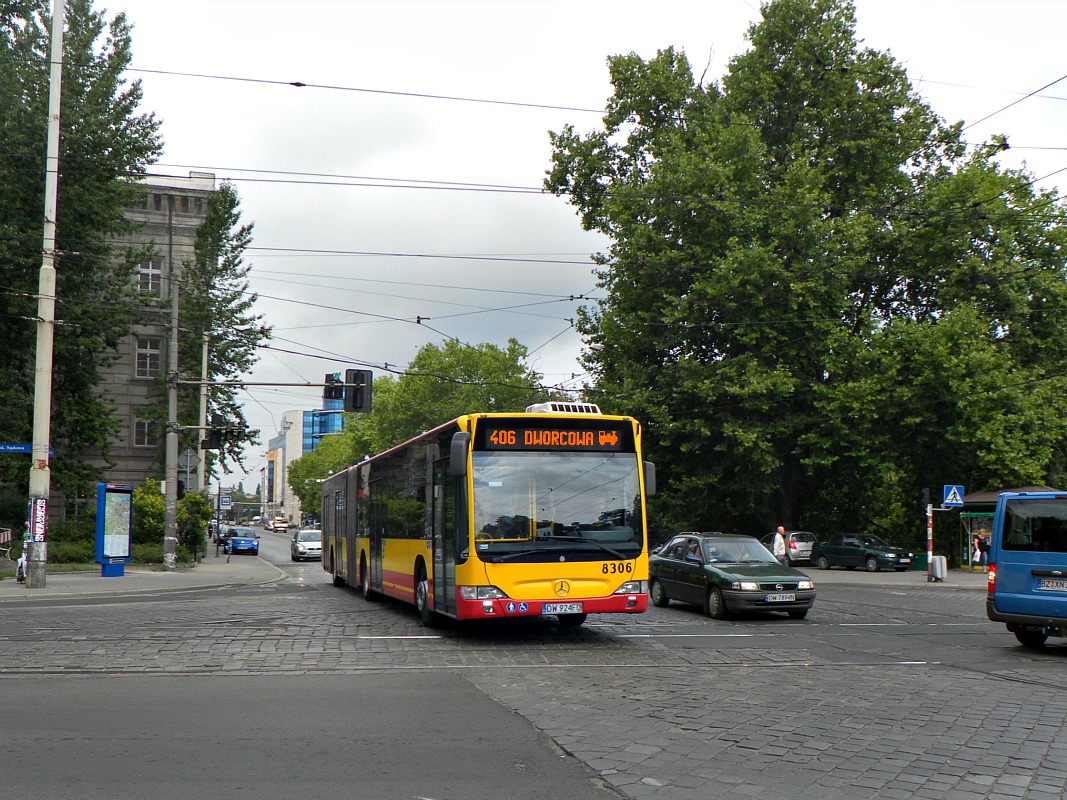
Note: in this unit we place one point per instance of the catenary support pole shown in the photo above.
(40, 474)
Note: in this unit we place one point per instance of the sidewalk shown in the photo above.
(211, 573)
(911, 579)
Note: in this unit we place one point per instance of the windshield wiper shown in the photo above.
(601, 545)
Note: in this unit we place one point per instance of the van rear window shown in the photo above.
(1035, 525)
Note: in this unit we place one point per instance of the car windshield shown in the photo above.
(542, 506)
(875, 541)
(736, 551)
(308, 536)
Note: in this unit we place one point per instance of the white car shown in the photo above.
(306, 544)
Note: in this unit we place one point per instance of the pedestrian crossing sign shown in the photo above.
(953, 497)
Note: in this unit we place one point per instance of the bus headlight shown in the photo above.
(633, 587)
(481, 593)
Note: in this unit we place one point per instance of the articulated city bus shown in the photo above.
(499, 515)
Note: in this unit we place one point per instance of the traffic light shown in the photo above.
(334, 388)
(358, 390)
(213, 440)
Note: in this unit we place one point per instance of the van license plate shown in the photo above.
(1053, 584)
(561, 608)
(780, 598)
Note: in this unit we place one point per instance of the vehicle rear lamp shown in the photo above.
(991, 587)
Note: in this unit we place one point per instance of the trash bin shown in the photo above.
(919, 562)
(940, 568)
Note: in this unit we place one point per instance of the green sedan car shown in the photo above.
(726, 573)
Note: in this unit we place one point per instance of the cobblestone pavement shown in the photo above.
(886, 690)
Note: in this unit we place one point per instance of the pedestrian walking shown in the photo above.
(778, 546)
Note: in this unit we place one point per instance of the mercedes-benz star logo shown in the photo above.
(562, 588)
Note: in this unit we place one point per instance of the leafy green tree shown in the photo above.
(215, 301)
(817, 297)
(104, 142)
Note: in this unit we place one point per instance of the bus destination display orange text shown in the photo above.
(551, 439)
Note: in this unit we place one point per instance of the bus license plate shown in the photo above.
(1053, 584)
(780, 598)
(561, 608)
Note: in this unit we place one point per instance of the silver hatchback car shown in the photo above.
(797, 545)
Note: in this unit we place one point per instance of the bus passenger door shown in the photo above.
(444, 539)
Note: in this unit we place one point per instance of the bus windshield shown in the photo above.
(545, 506)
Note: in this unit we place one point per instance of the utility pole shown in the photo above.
(40, 474)
(170, 467)
(201, 469)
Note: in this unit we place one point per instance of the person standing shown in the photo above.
(982, 543)
(778, 546)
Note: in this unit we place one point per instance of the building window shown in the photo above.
(145, 433)
(149, 356)
(157, 202)
(150, 277)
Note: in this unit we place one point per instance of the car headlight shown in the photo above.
(745, 586)
(481, 593)
(633, 587)
(301, 549)
(805, 585)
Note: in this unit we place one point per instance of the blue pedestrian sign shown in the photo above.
(953, 497)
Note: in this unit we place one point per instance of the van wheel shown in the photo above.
(1031, 637)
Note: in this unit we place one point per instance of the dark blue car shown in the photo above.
(242, 540)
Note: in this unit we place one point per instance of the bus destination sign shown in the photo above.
(516, 438)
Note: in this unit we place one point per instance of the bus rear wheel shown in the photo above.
(364, 581)
(570, 620)
(427, 615)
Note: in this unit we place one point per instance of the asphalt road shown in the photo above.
(891, 687)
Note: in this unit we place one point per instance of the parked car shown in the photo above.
(242, 540)
(726, 573)
(797, 545)
(865, 550)
(306, 544)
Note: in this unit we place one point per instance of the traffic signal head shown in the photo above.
(357, 390)
(334, 389)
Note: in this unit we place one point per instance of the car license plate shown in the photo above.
(1053, 584)
(780, 598)
(905, 561)
(561, 608)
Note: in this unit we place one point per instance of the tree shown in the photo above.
(104, 142)
(817, 297)
(441, 383)
(215, 302)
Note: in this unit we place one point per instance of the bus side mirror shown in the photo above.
(650, 479)
(457, 455)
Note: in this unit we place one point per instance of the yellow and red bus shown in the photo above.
(499, 515)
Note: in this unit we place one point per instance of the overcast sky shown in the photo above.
(435, 212)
